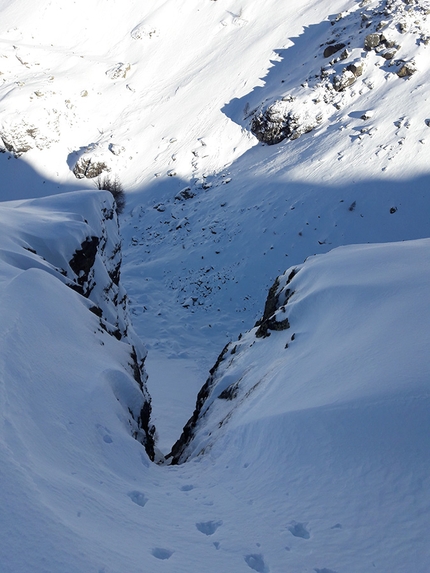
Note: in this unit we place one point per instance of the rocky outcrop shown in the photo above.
(332, 49)
(407, 69)
(82, 263)
(144, 30)
(372, 41)
(357, 36)
(96, 159)
(89, 168)
(94, 272)
(18, 137)
(284, 119)
(272, 319)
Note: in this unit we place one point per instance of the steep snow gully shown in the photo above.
(309, 446)
(250, 137)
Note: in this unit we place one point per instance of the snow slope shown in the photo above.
(201, 252)
(319, 463)
(59, 74)
(324, 466)
(198, 72)
(327, 418)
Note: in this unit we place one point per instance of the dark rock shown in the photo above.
(272, 324)
(371, 41)
(96, 310)
(269, 320)
(219, 360)
(356, 68)
(332, 49)
(407, 70)
(269, 130)
(185, 194)
(271, 304)
(149, 429)
(144, 419)
(281, 120)
(389, 53)
(88, 168)
(82, 262)
(115, 274)
(230, 393)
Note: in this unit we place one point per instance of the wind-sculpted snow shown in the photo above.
(344, 330)
(70, 243)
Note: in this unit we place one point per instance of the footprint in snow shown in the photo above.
(160, 553)
(256, 561)
(208, 527)
(187, 487)
(105, 434)
(138, 498)
(299, 530)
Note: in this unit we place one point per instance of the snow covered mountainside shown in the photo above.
(310, 453)
(249, 137)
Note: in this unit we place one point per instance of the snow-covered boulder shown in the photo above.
(93, 160)
(286, 118)
(89, 167)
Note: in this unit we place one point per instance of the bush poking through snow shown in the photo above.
(106, 183)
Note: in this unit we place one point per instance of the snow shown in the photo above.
(321, 461)
(173, 384)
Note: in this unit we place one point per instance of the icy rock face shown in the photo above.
(363, 38)
(95, 269)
